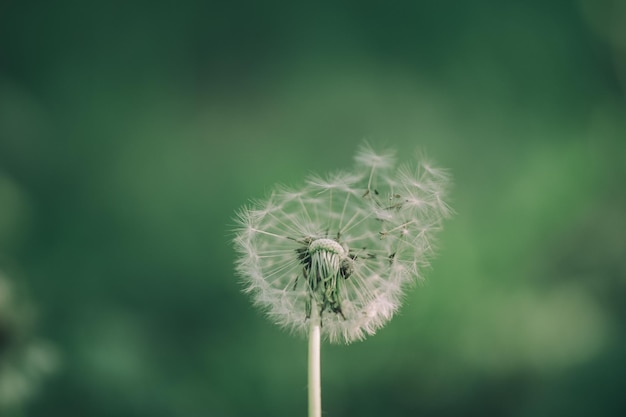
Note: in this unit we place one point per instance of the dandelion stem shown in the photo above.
(315, 387)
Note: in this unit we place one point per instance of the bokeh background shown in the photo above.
(130, 132)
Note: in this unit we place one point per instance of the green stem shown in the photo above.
(315, 386)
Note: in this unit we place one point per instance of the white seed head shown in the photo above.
(347, 244)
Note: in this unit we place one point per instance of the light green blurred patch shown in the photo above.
(539, 331)
(115, 351)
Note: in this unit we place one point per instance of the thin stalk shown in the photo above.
(315, 386)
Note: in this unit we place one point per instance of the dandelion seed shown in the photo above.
(344, 247)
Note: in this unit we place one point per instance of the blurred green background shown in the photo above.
(130, 132)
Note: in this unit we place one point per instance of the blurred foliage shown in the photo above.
(24, 359)
(130, 132)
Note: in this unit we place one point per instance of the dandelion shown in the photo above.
(334, 257)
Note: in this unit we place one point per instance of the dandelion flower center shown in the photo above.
(327, 245)
(325, 265)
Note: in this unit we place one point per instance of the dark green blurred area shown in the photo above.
(130, 132)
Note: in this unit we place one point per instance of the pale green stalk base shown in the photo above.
(315, 385)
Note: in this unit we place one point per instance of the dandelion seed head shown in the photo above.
(347, 244)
